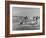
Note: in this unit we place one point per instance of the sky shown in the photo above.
(23, 11)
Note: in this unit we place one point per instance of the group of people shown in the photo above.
(24, 20)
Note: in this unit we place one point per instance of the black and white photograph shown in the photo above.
(25, 18)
